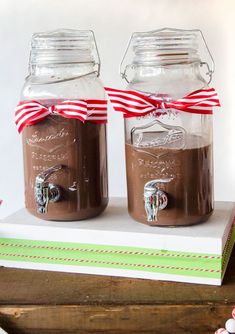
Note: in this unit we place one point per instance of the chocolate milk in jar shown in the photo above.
(169, 163)
(62, 116)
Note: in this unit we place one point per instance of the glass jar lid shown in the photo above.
(64, 46)
(166, 47)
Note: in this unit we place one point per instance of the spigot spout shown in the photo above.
(155, 199)
(46, 192)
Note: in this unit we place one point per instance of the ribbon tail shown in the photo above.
(25, 118)
(130, 103)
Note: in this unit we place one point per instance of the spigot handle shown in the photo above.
(43, 176)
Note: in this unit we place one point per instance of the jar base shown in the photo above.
(190, 221)
(74, 216)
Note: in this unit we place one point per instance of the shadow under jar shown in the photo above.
(65, 159)
(169, 163)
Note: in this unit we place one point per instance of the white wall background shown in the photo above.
(113, 21)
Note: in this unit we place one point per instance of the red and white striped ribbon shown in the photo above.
(133, 103)
(32, 112)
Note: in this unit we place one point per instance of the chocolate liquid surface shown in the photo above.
(81, 149)
(190, 192)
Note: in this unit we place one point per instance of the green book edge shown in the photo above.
(118, 257)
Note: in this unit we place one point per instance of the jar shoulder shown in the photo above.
(174, 87)
(86, 87)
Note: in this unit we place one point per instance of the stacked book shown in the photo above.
(114, 244)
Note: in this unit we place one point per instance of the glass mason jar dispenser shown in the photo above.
(64, 139)
(169, 162)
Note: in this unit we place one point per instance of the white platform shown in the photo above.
(115, 227)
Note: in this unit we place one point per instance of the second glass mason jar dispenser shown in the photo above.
(169, 162)
(65, 159)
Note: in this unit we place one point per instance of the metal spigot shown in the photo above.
(155, 199)
(46, 192)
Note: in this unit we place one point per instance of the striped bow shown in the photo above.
(134, 104)
(32, 112)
